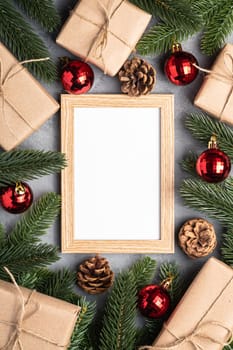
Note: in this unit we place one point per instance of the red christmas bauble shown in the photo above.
(77, 77)
(213, 165)
(153, 301)
(179, 66)
(16, 198)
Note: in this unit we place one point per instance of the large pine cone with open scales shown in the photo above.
(94, 275)
(197, 238)
(137, 77)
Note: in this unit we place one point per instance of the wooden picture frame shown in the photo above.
(81, 114)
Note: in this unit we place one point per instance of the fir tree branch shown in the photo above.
(213, 199)
(159, 39)
(21, 258)
(219, 26)
(119, 329)
(228, 347)
(23, 165)
(36, 221)
(227, 247)
(202, 127)
(43, 11)
(206, 8)
(80, 339)
(143, 271)
(189, 163)
(170, 270)
(2, 235)
(19, 37)
(146, 5)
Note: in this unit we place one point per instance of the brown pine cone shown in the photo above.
(137, 77)
(197, 238)
(94, 275)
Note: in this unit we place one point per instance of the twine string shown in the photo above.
(18, 325)
(14, 70)
(100, 41)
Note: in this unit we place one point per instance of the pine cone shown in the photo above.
(197, 238)
(137, 77)
(94, 275)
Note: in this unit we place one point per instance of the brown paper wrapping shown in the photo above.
(44, 316)
(209, 299)
(83, 29)
(26, 104)
(216, 93)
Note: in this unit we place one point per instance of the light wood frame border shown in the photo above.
(166, 243)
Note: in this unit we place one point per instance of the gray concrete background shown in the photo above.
(48, 138)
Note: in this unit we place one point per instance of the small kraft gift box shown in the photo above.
(203, 319)
(216, 93)
(24, 104)
(104, 32)
(34, 321)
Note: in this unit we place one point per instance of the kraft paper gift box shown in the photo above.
(104, 32)
(216, 93)
(47, 323)
(203, 319)
(24, 104)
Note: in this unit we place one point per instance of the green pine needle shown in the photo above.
(80, 339)
(189, 163)
(171, 271)
(228, 347)
(19, 37)
(43, 11)
(213, 199)
(119, 329)
(203, 126)
(159, 39)
(24, 165)
(36, 221)
(227, 247)
(144, 270)
(218, 27)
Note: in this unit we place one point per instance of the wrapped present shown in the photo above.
(104, 32)
(203, 319)
(24, 103)
(216, 93)
(31, 320)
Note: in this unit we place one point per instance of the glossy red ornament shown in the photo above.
(179, 66)
(16, 198)
(213, 165)
(77, 77)
(153, 301)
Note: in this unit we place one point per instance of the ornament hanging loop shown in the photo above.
(19, 188)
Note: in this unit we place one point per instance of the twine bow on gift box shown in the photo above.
(18, 327)
(193, 338)
(228, 77)
(101, 39)
(3, 83)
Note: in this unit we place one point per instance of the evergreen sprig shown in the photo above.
(42, 11)
(189, 163)
(179, 20)
(20, 250)
(213, 199)
(227, 247)
(19, 37)
(23, 165)
(203, 126)
(218, 26)
(119, 328)
(143, 270)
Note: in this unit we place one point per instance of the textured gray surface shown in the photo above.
(48, 138)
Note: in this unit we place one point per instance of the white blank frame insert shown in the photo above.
(117, 191)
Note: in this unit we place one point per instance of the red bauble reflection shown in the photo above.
(77, 77)
(16, 198)
(213, 165)
(179, 66)
(153, 301)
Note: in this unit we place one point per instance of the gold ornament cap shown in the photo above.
(176, 47)
(213, 142)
